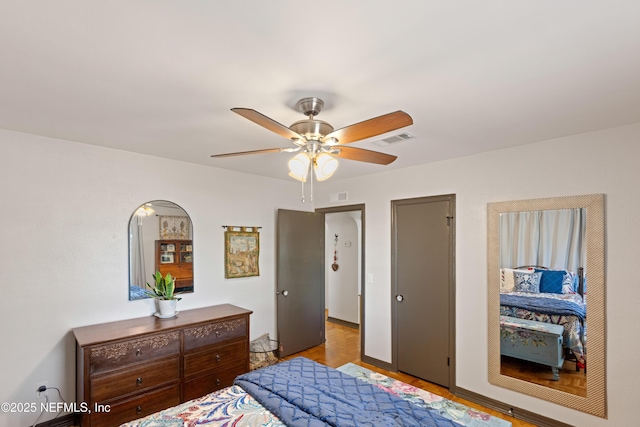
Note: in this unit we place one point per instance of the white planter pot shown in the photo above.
(167, 308)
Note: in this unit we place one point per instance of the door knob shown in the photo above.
(283, 293)
(400, 298)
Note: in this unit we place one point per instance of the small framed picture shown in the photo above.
(166, 258)
(171, 247)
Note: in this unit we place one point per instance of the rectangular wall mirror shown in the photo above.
(546, 289)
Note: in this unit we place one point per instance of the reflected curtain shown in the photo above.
(138, 273)
(553, 239)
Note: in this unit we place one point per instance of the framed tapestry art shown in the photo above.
(174, 227)
(241, 252)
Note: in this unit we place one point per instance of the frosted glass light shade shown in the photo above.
(299, 167)
(324, 166)
(145, 210)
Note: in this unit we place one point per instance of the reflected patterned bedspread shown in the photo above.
(574, 336)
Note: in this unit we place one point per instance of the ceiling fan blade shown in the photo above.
(266, 122)
(267, 150)
(362, 155)
(371, 127)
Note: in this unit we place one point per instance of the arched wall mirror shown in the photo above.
(160, 239)
(544, 257)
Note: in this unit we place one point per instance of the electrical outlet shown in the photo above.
(41, 384)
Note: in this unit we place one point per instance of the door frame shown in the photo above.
(352, 208)
(451, 198)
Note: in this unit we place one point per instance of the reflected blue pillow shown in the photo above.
(551, 281)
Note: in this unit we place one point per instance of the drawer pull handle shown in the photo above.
(217, 381)
(217, 333)
(218, 357)
(139, 381)
(138, 409)
(138, 352)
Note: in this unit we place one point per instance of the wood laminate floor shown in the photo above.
(570, 381)
(343, 346)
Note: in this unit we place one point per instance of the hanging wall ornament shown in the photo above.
(335, 266)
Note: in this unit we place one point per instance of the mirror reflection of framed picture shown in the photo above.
(166, 258)
(175, 227)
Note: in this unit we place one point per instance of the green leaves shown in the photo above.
(170, 286)
(164, 287)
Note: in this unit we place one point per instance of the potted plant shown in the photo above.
(164, 293)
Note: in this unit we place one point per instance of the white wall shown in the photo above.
(64, 249)
(342, 285)
(596, 162)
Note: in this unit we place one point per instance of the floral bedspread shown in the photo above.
(233, 407)
(574, 336)
(457, 412)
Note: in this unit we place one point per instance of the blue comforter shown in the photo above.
(545, 305)
(303, 393)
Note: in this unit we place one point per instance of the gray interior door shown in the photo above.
(422, 270)
(300, 280)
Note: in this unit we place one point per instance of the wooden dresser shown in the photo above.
(132, 368)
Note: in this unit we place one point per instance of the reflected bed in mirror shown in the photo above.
(160, 239)
(543, 255)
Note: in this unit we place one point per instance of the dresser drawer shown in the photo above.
(214, 358)
(127, 410)
(199, 386)
(113, 385)
(119, 354)
(212, 333)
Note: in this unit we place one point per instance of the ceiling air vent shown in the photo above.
(393, 139)
(339, 197)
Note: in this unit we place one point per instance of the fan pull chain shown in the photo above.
(311, 179)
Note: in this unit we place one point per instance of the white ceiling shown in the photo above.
(160, 77)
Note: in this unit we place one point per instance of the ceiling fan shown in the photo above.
(316, 142)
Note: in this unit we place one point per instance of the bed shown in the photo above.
(297, 393)
(550, 296)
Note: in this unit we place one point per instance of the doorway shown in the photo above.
(423, 288)
(344, 290)
(342, 272)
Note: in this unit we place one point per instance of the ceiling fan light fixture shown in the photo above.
(145, 210)
(316, 141)
(299, 166)
(324, 166)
